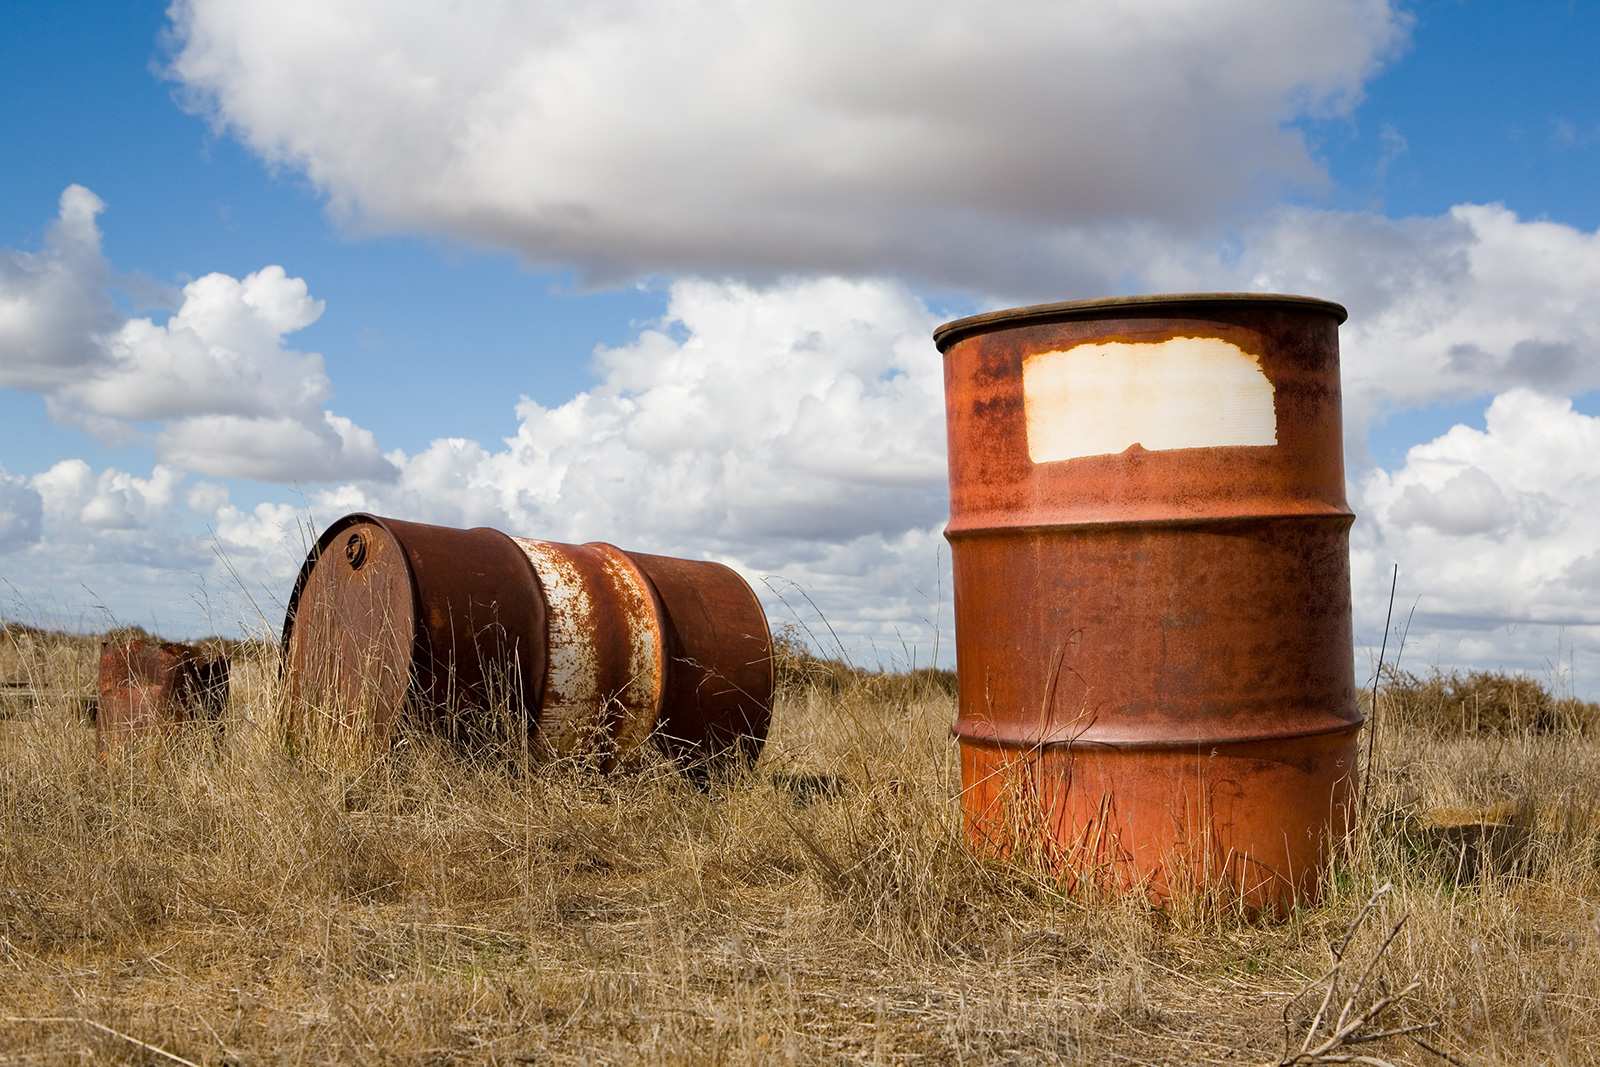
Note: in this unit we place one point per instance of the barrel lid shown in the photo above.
(350, 632)
(388, 614)
(1068, 310)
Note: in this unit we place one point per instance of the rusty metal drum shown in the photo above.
(1150, 543)
(389, 616)
(151, 688)
(584, 651)
(716, 697)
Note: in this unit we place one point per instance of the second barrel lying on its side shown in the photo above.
(589, 649)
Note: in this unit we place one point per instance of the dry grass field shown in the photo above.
(192, 903)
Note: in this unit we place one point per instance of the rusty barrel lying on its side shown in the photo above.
(149, 688)
(1149, 536)
(588, 649)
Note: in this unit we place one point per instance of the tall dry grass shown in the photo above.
(242, 904)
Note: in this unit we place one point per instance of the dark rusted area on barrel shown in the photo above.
(150, 688)
(717, 704)
(598, 649)
(390, 615)
(1149, 537)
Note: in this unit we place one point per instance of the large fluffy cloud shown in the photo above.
(76, 498)
(214, 387)
(795, 431)
(1470, 303)
(1494, 530)
(808, 410)
(108, 547)
(977, 144)
(99, 548)
(1502, 517)
(54, 309)
(21, 512)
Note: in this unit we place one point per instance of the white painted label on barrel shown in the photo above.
(1187, 392)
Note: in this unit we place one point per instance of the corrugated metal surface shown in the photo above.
(1149, 537)
(717, 707)
(603, 689)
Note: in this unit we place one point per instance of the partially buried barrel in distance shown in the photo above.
(1149, 537)
(151, 688)
(587, 650)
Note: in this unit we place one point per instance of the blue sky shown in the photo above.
(86, 103)
(1483, 98)
(689, 271)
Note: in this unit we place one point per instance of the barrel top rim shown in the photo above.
(1068, 310)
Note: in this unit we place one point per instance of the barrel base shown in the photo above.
(1248, 824)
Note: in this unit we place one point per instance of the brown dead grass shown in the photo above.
(234, 905)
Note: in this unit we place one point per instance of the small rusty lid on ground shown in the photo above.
(149, 688)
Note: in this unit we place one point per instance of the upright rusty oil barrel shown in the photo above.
(1150, 541)
(589, 650)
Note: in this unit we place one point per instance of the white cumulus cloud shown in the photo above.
(975, 144)
(795, 430)
(53, 304)
(215, 388)
(99, 548)
(220, 353)
(75, 496)
(1443, 309)
(1493, 530)
(792, 430)
(1473, 302)
(21, 513)
(806, 410)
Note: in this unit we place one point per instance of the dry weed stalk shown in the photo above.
(1351, 1027)
(78, 1020)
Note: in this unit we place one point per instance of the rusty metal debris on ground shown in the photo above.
(150, 688)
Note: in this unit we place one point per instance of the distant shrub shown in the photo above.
(1483, 702)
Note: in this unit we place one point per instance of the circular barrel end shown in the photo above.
(350, 634)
